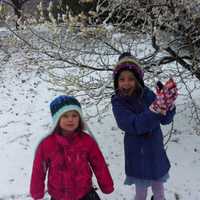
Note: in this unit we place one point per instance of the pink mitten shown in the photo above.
(159, 106)
(171, 92)
(165, 97)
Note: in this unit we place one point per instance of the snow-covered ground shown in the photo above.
(25, 120)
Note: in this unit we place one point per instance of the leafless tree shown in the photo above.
(79, 59)
(17, 7)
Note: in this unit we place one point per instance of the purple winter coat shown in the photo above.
(145, 156)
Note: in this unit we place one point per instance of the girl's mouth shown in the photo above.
(126, 91)
(70, 125)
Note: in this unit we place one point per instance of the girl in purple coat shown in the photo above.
(139, 113)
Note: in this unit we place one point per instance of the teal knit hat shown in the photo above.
(63, 104)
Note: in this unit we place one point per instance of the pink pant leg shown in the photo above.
(141, 193)
(158, 190)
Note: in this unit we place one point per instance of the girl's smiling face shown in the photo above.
(69, 122)
(127, 83)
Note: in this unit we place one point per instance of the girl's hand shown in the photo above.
(165, 97)
(156, 109)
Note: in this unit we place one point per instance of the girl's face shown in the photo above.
(127, 83)
(69, 122)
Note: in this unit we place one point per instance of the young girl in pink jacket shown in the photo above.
(68, 157)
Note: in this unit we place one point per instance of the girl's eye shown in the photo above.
(65, 115)
(74, 115)
(70, 115)
(129, 79)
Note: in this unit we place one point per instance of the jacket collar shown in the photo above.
(67, 140)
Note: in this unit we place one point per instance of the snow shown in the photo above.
(25, 119)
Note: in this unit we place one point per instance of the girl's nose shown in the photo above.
(126, 83)
(70, 119)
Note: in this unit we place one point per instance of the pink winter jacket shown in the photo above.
(69, 162)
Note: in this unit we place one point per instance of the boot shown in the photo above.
(152, 198)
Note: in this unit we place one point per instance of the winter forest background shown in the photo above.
(48, 48)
